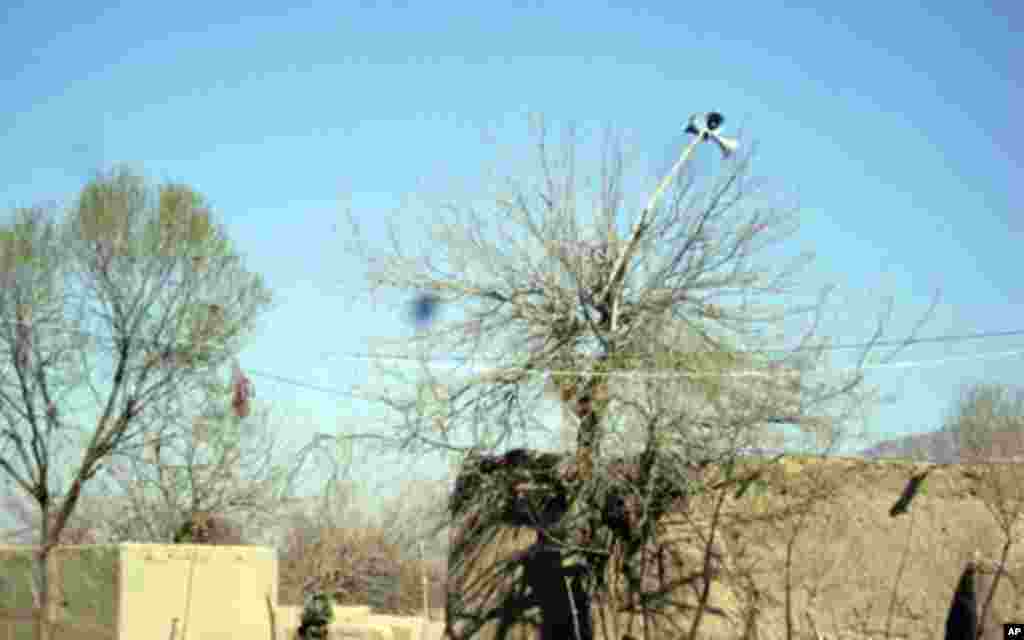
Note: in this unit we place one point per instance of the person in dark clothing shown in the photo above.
(962, 621)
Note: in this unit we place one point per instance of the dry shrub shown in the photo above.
(204, 527)
(355, 565)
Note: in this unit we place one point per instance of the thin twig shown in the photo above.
(983, 614)
(899, 577)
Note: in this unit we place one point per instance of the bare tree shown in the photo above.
(219, 464)
(235, 469)
(111, 317)
(987, 422)
(660, 330)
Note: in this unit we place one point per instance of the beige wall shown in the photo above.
(138, 590)
(128, 591)
(219, 590)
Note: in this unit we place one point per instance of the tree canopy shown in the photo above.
(668, 328)
(114, 317)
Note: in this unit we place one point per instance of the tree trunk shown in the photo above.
(44, 609)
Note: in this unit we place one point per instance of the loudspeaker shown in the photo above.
(705, 125)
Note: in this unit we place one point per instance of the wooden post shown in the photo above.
(426, 598)
(272, 616)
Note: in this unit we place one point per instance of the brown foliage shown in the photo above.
(204, 527)
(241, 392)
(346, 562)
(524, 488)
(528, 488)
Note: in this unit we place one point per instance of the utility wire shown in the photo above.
(906, 364)
(839, 347)
(981, 335)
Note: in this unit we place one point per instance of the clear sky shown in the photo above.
(891, 121)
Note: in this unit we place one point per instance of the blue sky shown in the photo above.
(892, 122)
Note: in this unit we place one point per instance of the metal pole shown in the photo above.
(671, 174)
(620, 264)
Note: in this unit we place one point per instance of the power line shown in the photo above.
(640, 373)
(299, 383)
(904, 364)
(261, 374)
(982, 335)
(933, 339)
(858, 345)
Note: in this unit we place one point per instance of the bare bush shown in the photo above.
(349, 563)
(204, 527)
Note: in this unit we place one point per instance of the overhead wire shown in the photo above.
(858, 345)
(637, 373)
(162, 344)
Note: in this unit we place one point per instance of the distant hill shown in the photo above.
(937, 447)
